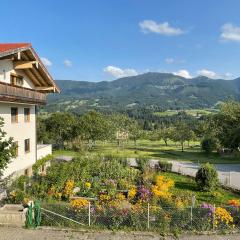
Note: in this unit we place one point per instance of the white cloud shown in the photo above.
(169, 60)
(119, 73)
(160, 28)
(46, 61)
(67, 63)
(183, 73)
(174, 60)
(214, 75)
(207, 73)
(230, 32)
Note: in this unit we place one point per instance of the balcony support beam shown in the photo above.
(44, 88)
(23, 64)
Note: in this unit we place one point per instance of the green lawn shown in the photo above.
(192, 112)
(156, 150)
(186, 185)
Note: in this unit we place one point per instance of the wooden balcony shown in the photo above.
(9, 93)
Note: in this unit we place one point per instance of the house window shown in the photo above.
(16, 148)
(27, 145)
(14, 115)
(27, 114)
(16, 80)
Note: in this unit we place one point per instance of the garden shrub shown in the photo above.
(165, 166)
(208, 144)
(143, 163)
(207, 178)
(41, 162)
(20, 183)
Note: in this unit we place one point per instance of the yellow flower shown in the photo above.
(104, 197)
(132, 193)
(162, 187)
(58, 195)
(222, 215)
(25, 200)
(120, 196)
(79, 203)
(13, 194)
(88, 185)
(68, 188)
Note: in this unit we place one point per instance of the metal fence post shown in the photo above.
(89, 213)
(214, 208)
(230, 179)
(148, 216)
(191, 215)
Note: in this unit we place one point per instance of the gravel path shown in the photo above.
(11, 233)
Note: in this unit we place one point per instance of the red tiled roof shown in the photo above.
(8, 48)
(5, 47)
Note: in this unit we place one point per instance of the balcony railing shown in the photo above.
(19, 94)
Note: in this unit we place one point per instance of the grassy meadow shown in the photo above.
(191, 112)
(156, 150)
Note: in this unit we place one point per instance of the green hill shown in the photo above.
(156, 90)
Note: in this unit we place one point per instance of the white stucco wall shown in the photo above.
(43, 150)
(7, 66)
(20, 131)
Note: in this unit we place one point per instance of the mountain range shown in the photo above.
(156, 90)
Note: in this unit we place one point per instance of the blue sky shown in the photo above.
(96, 40)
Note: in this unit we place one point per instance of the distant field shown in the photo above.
(192, 112)
(156, 150)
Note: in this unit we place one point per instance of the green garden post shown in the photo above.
(29, 219)
(37, 213)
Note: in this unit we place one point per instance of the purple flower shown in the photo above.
(145, 194)
(209, 207)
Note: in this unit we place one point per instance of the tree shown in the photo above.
(60, 127)
(208, 144)
(207, 177)
(7, 148)
(166, 134)
(121, 123)
(135, 131)
(95, 126)
(227, 123)
(182, 133)
(42, 134)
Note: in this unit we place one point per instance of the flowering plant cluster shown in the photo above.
(162, 187)
(222, 216)
(234, 202)
(79, 203)
(68, 188)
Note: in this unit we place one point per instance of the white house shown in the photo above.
(24, 84)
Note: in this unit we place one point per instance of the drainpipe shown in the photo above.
(36, 110)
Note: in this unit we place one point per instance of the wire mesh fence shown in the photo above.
(144, 218)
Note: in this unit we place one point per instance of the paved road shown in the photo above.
(10, 233)
(229, 174)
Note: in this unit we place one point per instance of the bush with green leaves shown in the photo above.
(165, 166)
(208, 144)
(207, 177)
(143, 163)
